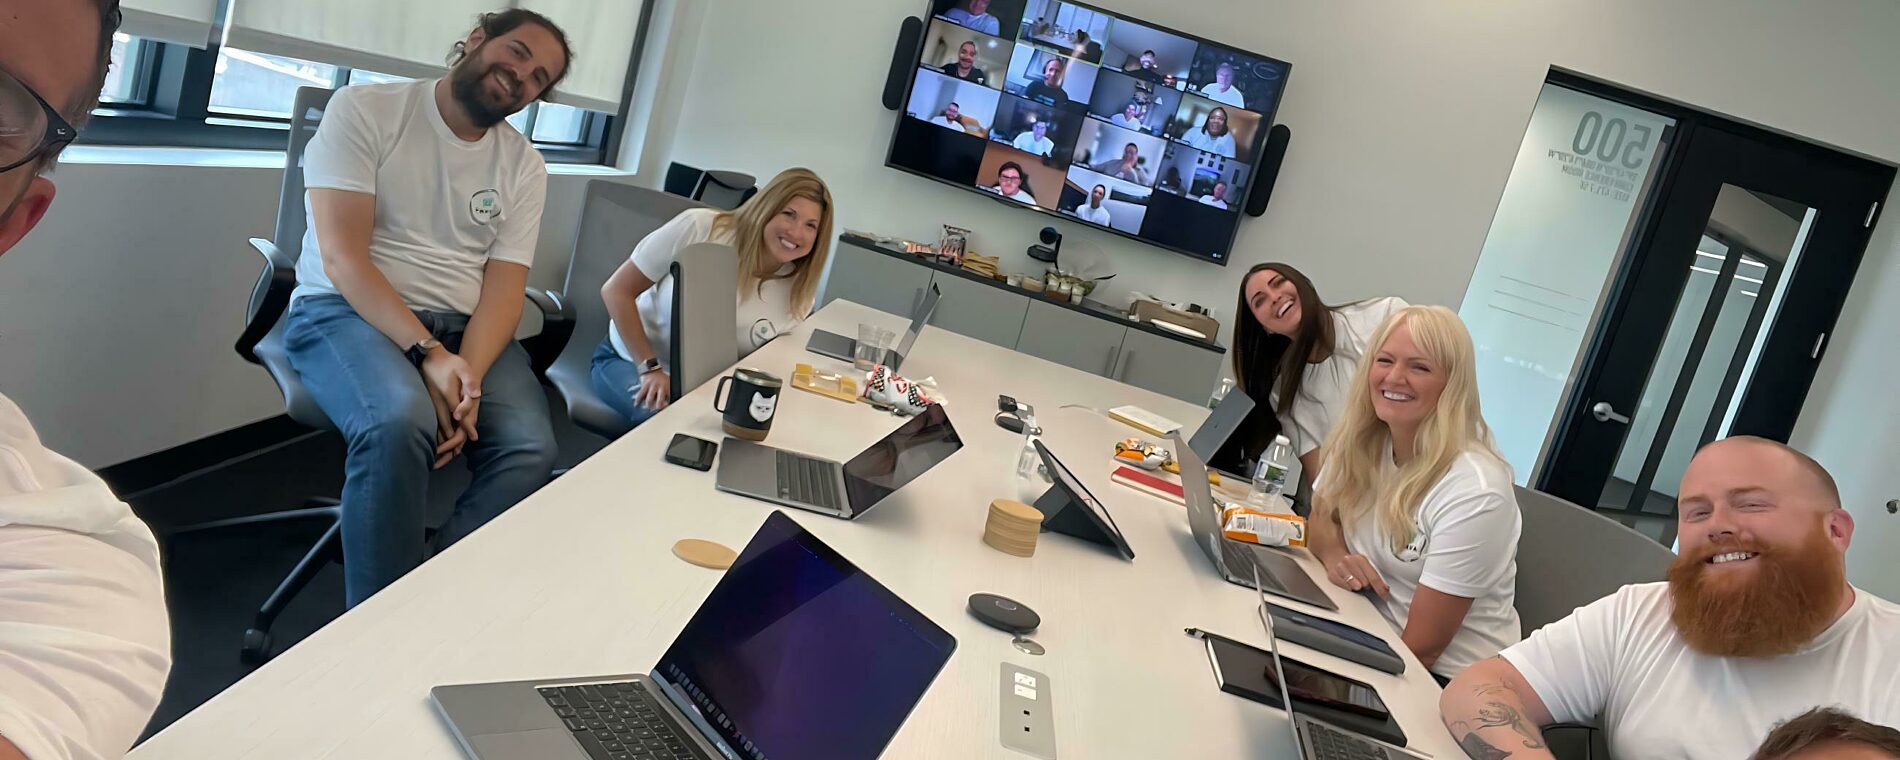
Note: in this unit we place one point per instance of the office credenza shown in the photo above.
(1088, 336)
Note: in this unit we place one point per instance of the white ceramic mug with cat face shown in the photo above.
(749, 404)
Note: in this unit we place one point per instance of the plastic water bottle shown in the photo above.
(1028, 462)
(1269, 474)
(1220, 394)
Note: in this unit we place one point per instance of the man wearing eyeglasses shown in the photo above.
(84, 643)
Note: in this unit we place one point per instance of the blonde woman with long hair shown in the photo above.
(1414, 502)
(782, 236)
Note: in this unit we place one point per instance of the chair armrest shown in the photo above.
(269, 297)
(557, 326)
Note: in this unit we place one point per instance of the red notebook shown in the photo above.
(1156, 484)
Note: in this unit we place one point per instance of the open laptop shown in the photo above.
(1221, 424)
(1234, 560)
(840, 490)
(1315, 739)
(772, 665)
(844, 347)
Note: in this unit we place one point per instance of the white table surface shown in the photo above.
(579, 580)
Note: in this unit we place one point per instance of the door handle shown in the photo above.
(1114, 353)
(1606, 413)
(1122, 372)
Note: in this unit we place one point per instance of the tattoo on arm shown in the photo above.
(1477, 748)
(1494, 714)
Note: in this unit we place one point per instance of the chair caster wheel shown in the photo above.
(256, 647)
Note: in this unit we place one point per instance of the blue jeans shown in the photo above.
(616, 380)
(377, 399)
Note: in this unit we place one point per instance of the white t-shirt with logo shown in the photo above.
(1323, 389)
(84, 642)
(1465, 545)
(762, 316)
(445, 207)
(1621, 661)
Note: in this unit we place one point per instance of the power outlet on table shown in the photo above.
(1028, 722)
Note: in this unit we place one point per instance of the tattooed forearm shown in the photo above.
(1477, 748)
(1490, 708)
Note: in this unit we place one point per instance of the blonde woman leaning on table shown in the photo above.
(1414, 503)
(782, 236)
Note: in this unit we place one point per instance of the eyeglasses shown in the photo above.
(29, 126)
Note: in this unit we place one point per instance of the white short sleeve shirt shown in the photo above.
(762, 316)
(445, 207)
(1465, 545)
(1620, 661)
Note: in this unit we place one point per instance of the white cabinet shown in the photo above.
(1082, 338)
(979, 310)
(877, 280)
(1168, 366)
(1071, 339)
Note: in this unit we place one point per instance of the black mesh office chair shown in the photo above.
(262, 343)
(616, 217)
(719, 189)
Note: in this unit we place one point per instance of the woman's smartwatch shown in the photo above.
(652, 364)
(421, 349)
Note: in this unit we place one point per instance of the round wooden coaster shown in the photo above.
(705, 553)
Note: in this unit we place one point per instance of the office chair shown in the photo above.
(615, 218)
(705, 339)
(1567, 557)
(725, 190)
(262, 343)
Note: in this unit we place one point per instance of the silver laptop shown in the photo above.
(840, 490)
(1281, 575)
(844, 347)
(771, 665)
(1221, 424)
(1315, 739)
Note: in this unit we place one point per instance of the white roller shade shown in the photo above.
(409, 38)
(603, 34)
(185, 22)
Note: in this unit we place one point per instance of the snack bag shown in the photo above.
(1256, 526)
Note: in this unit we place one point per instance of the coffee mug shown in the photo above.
(748, 407)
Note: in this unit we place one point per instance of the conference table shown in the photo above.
(579, 580)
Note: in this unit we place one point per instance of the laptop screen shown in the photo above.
(798, 655)
(899, 458)
(918, 320)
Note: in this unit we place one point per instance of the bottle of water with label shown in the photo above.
(1269, 474)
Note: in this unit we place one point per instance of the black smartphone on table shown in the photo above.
(1247, 671)
(687, 451)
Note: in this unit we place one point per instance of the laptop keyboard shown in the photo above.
(1328, 743)
(618, 721)
(1240, 561)
(807, 481)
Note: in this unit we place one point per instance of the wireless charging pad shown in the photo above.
(1004, 614)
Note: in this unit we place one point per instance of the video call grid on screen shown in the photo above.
(1069, 88)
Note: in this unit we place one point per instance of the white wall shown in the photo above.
(1406, 118)
(118, 314)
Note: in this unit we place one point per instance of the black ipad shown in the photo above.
(1248, 671)
(1071, 510)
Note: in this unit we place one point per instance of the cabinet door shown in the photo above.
(874, 279)
(1071, 339)
(1168, 367)
(986, 313)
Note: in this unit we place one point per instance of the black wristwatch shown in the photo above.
(420, 350)
(652, 364)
